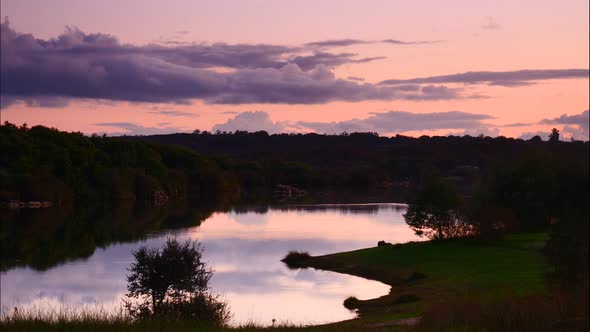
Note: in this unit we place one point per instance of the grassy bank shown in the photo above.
(457, 285)
(97, 322)
(429, 273)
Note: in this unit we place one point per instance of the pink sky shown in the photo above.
(452, 37)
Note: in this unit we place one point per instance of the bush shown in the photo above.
(351, 303)
(295, 259)
(172, 283)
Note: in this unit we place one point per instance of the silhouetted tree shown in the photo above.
(173, 283)
(433, 211)
(554, 136)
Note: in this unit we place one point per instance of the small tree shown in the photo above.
(433, 211)
(554, 136)
(173, 283)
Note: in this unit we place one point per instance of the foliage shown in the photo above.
(173, 283)
(359, 160)
(554, 136)
(46, 164)
(492, 223)
(351, 303)
(434, 210)
(295, 259)
(225, 164)
(535, 189)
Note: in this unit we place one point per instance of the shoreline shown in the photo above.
(423, 274)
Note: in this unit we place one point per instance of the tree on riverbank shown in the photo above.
(172, 283)
(433, 211)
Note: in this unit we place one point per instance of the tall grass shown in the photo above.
(562, 310)
(99, 319)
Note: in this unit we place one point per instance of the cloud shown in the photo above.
(517, 124)
(528, 135)
(578, 133)
(97, 66)
(484, 130)
(401, 42)
(252, 122)
(175, 113)
(576, 126)
(129, 128)
(308, 62)
(39, 101)
(355, 78)
(350, 42)
(577, 119)
(397, 122)
(503, 78)
(491, 24)
(337, 42)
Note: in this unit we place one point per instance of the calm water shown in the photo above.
(244, 247)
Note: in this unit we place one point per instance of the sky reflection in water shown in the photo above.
(244, 247)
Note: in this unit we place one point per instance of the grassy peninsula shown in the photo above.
(424, 274)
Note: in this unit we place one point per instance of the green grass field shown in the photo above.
(514, 264)
(425, 273)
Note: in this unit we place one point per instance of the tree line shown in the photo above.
(45, 164)
(359, 160)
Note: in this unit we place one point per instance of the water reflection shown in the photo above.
(244, 246)
(43, 238)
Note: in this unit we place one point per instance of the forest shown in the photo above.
(44, 164)
(363, 160)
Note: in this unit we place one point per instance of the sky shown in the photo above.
(420, 67)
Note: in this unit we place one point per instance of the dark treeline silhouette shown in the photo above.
(44, 164)
(359, 160)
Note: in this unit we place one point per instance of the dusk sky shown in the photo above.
(512, 68)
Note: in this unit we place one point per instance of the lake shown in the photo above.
(244, 246)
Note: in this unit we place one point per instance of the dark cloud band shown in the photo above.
(397, 121)
(503, 78)
(97, 66)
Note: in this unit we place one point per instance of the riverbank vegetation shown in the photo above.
(463, 285)
(44, 164)
(362, 160)
(47, 164)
